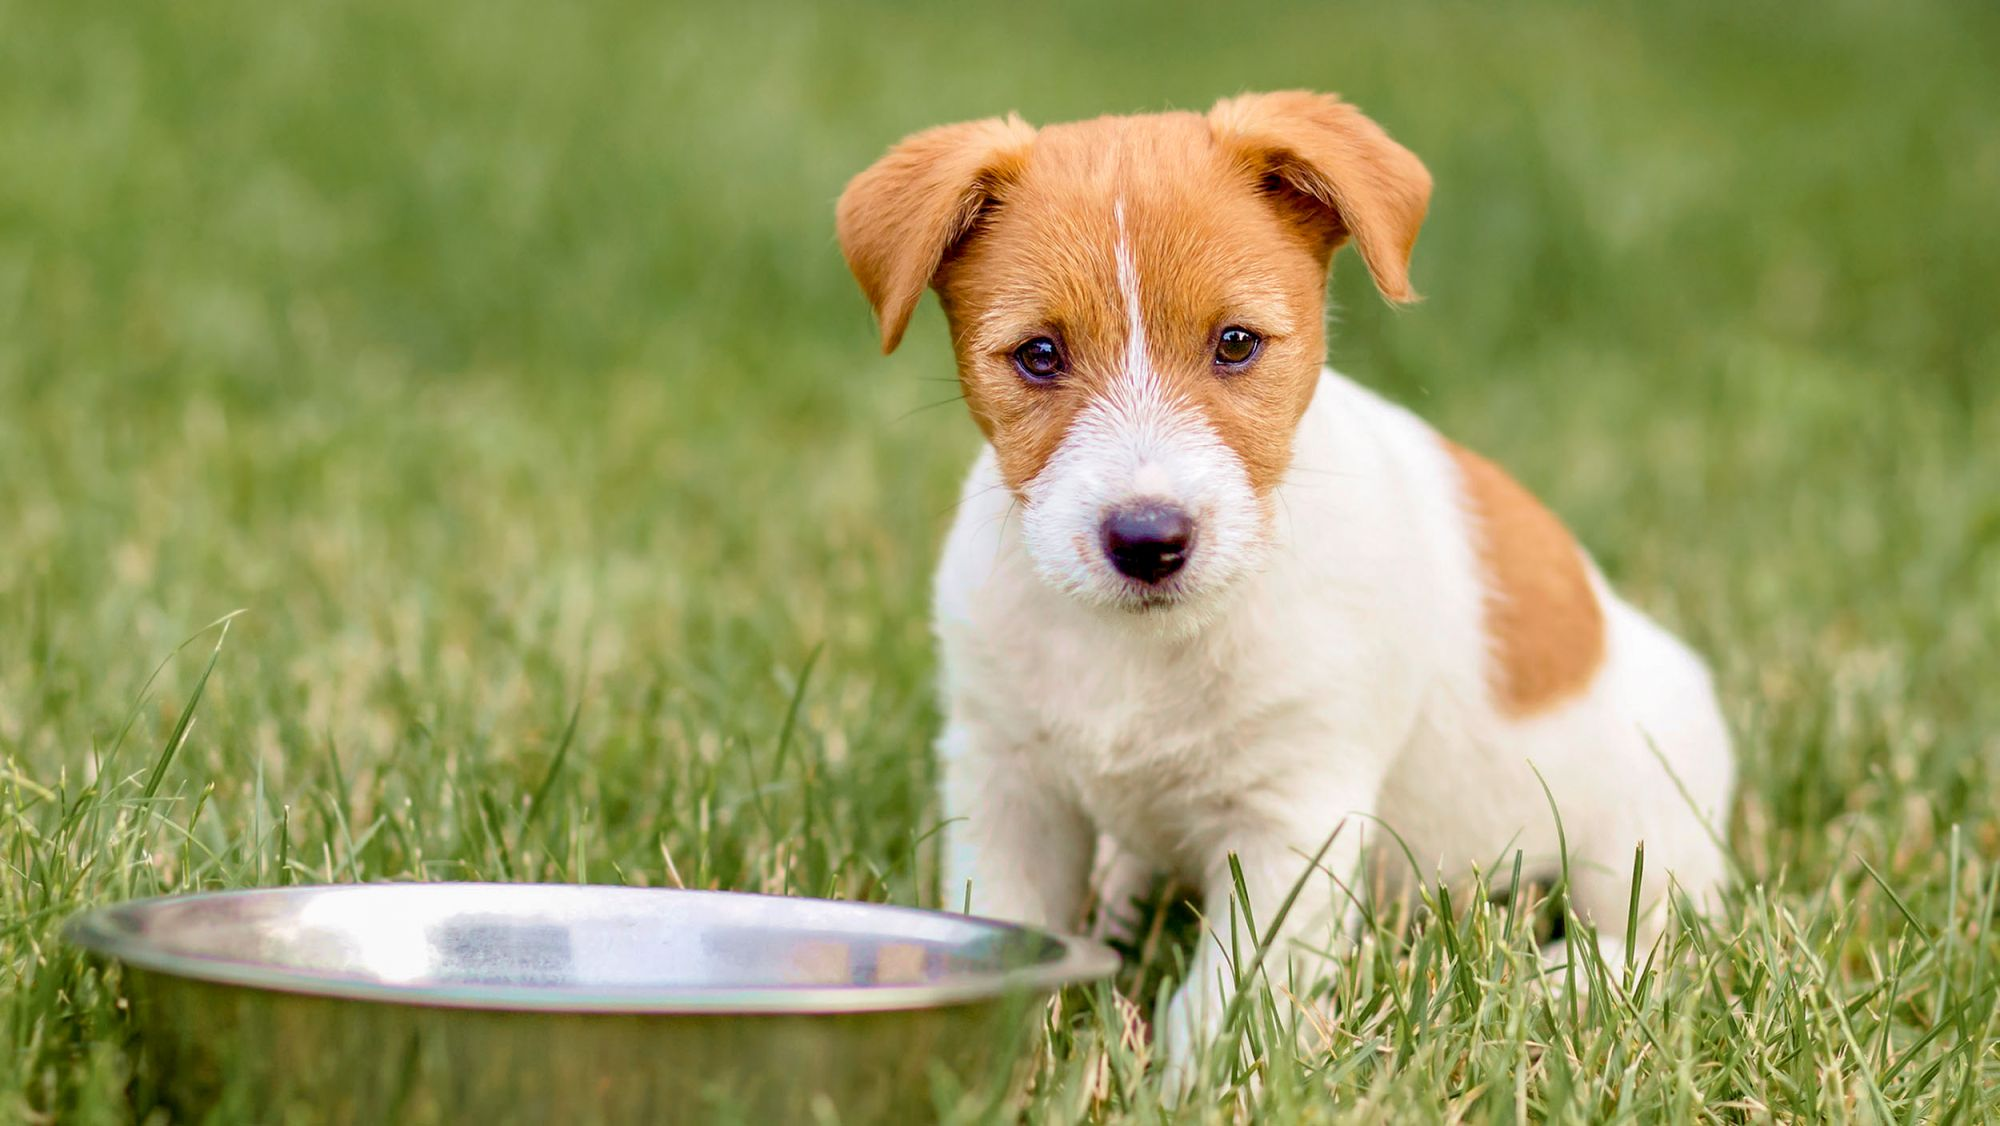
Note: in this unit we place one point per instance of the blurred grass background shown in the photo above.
(498, 360)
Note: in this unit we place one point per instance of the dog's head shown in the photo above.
(1137, 308)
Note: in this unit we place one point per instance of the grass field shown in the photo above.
(496, 361)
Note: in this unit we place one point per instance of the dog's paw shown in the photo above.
(1558, 972)
(1181, 1052)
(1187, 1029)
(1121, 884)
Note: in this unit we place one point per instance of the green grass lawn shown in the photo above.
(496, 360)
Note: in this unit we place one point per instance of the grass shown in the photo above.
(496, 362)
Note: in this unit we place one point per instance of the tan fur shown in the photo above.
(897, 219)
(1543, 621)
(1325, 149)
(1231, 217)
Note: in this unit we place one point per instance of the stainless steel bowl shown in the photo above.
(557, 1003)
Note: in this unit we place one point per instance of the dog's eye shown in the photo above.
(1236, 346)
(1039, 359)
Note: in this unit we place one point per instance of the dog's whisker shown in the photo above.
(912, 413)
(968, 498)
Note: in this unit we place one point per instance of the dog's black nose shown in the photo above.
(1147, 542)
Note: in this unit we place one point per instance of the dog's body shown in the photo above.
(1204, 599)
(1352, 675)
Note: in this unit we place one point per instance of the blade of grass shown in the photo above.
(186, 721)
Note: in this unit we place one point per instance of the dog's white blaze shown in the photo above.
(1139, 442)
(1138, 365)
(1137, 404)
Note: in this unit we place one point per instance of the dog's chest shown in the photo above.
(1153, 749)
(1159, 740)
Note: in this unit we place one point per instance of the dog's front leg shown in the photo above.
(1294, 863)
(1016, 847)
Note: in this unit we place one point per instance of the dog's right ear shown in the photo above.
(1324, 151)
(900, 218)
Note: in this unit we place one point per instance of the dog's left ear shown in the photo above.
(1350, 178)
(900, 218)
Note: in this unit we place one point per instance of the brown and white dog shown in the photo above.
(1204, 597)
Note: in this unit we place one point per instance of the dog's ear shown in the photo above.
(1338, 170)
(900, 218)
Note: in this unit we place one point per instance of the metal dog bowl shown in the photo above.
(552, 1003)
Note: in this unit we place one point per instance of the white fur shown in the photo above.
(1137, 443)
(1332, 670)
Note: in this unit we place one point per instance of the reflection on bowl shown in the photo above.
(495, 1002)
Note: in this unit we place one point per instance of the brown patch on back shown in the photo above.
(1544, 626)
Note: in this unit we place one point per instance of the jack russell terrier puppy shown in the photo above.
(1206, 598)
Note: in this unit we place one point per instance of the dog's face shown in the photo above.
(1136, 305)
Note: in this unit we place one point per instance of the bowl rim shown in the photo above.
(96, 929)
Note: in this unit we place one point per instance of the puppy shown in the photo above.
(1204, 598)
